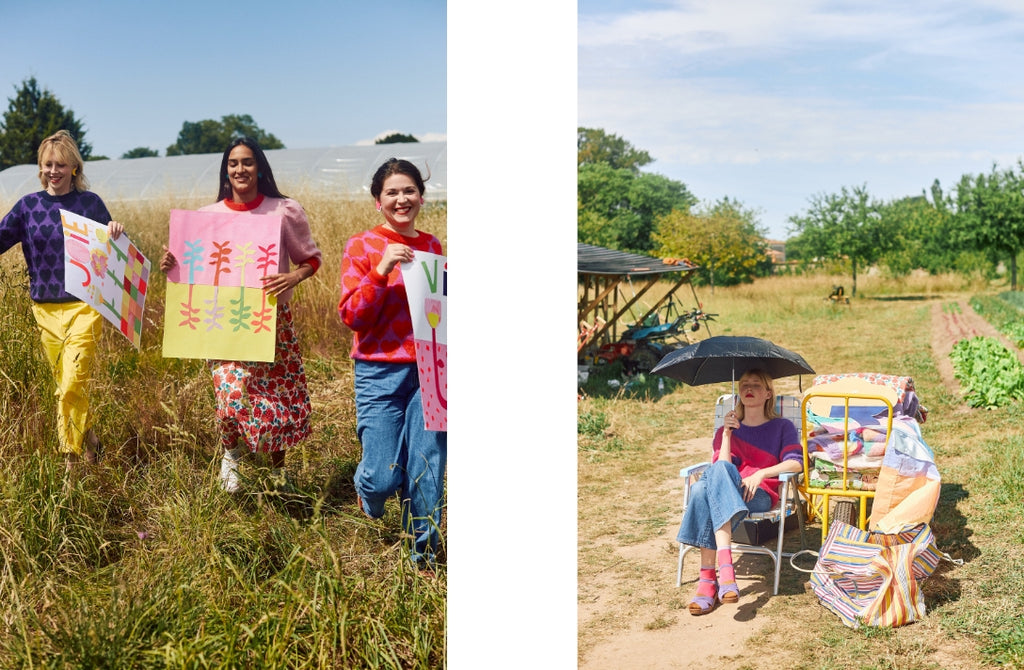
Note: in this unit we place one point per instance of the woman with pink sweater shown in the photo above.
(263, 407)
(399, 454)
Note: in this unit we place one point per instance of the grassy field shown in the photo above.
(975, 611)
(142, 562)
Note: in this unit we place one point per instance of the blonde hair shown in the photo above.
(769, 403)
(65, 150)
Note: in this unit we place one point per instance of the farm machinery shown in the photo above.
(642, 345)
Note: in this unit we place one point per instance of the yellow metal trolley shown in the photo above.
(845, 479)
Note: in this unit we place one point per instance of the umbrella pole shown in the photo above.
(725, 453)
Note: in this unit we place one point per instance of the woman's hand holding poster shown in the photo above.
(111, 276)
(426, 287)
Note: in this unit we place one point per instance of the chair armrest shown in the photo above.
(692, 470)
(790, 476)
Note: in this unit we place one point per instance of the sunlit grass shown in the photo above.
(629, 450)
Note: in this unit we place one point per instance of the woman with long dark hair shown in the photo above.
(263, 406)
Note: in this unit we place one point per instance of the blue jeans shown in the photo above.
(399, 454)
(715, 500)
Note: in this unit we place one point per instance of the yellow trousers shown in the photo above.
(69, 331)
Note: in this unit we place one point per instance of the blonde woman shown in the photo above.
(742, 478)
(68, 327)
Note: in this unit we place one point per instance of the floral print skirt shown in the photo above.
(264, 406)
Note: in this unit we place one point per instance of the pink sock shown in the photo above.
(706, 585)
(725, 572)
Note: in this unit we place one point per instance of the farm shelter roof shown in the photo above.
(344, 170)
(601, 261)
(601, 271)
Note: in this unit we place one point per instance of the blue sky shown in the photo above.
(771, 103)
(314, 73)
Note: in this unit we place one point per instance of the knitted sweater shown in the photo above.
(758, 447)
(34, 221)
(297, 244)
(375, 307)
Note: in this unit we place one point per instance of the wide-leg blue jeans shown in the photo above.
(399, 454)
(716, 499)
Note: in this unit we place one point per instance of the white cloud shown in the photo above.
(807, 93)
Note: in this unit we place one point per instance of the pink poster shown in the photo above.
(216, 307)
(426, 287)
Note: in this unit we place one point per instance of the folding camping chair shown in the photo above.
(759, 524)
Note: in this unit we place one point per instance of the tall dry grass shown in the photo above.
(142, 561)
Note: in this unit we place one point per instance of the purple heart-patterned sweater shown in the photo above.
(34, 221)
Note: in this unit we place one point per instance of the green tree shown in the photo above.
(920, 231)
(594, 146)
(617, 208)
(212, 137)
(990, 215)
(841, 226)
(395, 138)
(140, 152)
(724, 239)
(32, 115)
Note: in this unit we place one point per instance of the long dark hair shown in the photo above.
(265, 183)
(395, 166)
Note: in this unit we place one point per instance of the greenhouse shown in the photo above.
(341, 170)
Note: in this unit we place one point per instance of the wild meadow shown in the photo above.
(633, 439)
(142, 561)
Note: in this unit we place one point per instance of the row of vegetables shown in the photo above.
(990, 374)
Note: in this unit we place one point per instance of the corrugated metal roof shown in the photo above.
(601, 261)
(342, 170)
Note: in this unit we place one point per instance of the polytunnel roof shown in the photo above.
(344, 170)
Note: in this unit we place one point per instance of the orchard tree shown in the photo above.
(990, 215)
(617, 208)
(723, 239)
(395, 138)
(140, 152)
(212, 137)
(594, 146)
(616, 204)
(32, 115)
(846, 225)
(921, 231)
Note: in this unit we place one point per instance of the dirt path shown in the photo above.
(651, 639)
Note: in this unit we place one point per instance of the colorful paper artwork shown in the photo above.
(216, 307)
(426, 287)
(110, 275)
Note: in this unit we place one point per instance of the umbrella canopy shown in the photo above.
(720, 358)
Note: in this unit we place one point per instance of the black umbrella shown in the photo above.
(718, 359)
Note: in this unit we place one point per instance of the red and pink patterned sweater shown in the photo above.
(375, 307)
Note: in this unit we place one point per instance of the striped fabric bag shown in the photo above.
(870, 578)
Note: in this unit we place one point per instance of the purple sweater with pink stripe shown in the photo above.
(34, 221)
(758, 447)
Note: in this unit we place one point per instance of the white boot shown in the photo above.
(229, 469)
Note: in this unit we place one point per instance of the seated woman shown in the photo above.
(751, 449)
